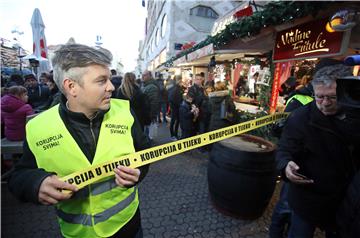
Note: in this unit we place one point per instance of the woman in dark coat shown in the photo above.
(129, 90)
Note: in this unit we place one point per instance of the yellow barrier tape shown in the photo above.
(153, 154)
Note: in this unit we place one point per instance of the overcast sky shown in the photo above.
(119, 22)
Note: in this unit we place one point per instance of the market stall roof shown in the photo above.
(221, 55)
(238, 48)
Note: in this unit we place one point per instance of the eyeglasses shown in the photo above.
(328, 97)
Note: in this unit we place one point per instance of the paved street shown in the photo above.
(174, 203)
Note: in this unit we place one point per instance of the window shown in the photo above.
(163, 25)
(203, 11)
(157, 37)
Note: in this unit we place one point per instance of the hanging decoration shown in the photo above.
(245, 12)
(342, 20)
(266, 90)
(264, 76)
(227, 68)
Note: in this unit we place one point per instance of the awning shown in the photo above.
(238, 48)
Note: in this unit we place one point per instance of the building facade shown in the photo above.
(172, 26)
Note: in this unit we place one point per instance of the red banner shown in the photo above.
(245, 12)
(275, 88)
(309, 40)
(237, 72)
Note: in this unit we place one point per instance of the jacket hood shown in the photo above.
(306, 90)
(218, 96)
(219, 93)
(151, 81)
(10, 103)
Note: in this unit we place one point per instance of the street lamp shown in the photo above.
(20, 55)
(17, 46)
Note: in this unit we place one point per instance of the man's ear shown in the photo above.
(70, 87)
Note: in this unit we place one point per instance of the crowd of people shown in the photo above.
(80, 99)
(317, 155)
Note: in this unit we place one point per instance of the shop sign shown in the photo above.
(162, 56)
(205, 51)
(264, 76)
(180, 60)
(309, 40)
(156, 61)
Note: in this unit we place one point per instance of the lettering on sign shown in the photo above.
(301, 42)
(151, 155)
(308, 40)
(117, 128)
(49, 142)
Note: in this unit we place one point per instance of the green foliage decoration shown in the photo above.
(264, 131)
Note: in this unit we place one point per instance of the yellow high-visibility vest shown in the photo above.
(100, 209)
(303, 99)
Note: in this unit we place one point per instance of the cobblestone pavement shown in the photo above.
(174, 203)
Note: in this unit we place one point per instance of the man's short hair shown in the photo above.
(29, 76)
(74, 56)
(328, 71)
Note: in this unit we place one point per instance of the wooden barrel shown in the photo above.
(242, 176)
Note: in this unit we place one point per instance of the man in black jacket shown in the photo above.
(38, 93)
(175, 99)
(197, 92)
(314, 156)
(280, 219)
(82, 123)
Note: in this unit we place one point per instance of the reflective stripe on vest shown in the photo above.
(85, 219)
(97, 188)
(303, 99)
(56, 151)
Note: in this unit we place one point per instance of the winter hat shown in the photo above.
(29, 76)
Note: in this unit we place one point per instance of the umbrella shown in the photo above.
(28, 57)
(39, 41)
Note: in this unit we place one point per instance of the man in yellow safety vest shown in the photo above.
(87, 128)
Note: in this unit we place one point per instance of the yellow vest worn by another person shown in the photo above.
(303, 99)
(100, 209)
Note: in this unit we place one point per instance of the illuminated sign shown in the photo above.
(204, 51)
(180, 60)
(309, 40)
